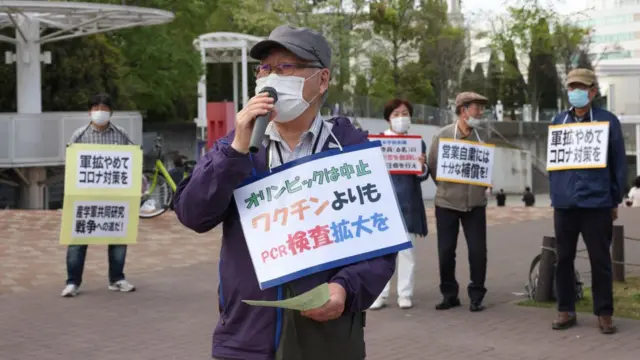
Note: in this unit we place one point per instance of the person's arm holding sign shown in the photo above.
(432, 161)
(423, 161)
(618, 167)
(202, 199)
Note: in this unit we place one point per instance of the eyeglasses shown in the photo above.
(282, 69)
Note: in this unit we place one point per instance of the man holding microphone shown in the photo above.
(294, 63)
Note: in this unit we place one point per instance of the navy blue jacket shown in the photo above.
(592, 188)
(409, 194)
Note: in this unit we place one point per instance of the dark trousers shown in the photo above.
(76, 255)
(596, 228)
(474, 226)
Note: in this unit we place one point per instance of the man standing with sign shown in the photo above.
(587, 168)
(99, 131)
(461, 165)
(294, 62)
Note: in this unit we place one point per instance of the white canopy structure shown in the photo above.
(29, 140)
(224, 47)
(41, 22)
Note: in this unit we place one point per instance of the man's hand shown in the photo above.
(614, 214)
(258, 105)
(333, 308)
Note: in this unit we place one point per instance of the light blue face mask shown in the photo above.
(578, 98)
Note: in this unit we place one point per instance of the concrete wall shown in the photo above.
(512, 167)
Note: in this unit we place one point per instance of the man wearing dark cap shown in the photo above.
(295, 62)
(585, 202)
(461, 203)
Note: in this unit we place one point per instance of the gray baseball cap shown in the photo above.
(302, 42)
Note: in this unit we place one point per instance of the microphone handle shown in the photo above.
(257, 134)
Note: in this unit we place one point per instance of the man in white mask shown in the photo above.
(295, 62)
(99, 131)
(461, 204)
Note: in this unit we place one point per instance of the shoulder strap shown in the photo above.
(82, 133)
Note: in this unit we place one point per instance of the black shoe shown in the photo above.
(447, 304)
(476, 306)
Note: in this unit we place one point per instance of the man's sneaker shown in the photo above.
(69, 291)
(122, 285)
(379, 303)
(405, 303)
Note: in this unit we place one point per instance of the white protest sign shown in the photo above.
(104, 169)
(401, 152)
(465, 162)
(578, 146)
(320, 212)
(99, 219)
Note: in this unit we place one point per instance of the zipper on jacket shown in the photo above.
(278, 320)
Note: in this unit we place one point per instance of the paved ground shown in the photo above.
(172, 314)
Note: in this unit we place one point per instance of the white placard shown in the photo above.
(465, 162)
(100, 219)
(578, 146)
(401, 152)
(320, 212)
(104, 169)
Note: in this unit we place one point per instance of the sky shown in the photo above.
(495, 6)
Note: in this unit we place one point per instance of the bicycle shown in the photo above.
(158, 186)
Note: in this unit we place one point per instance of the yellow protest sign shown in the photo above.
(102, 194)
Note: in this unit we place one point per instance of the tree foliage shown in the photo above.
(494, 78)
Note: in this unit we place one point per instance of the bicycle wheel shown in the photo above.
(156, 199)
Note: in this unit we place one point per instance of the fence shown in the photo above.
(543, 288)
(370, 107)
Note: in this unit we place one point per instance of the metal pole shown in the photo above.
(617, 253)
(245, 77)
(544, 288)
(235, 86)
(28, 71)
(202, 92)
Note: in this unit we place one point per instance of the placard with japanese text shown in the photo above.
(101, 194)
(578, 146)
(465, 162)
(320, 212)
(401, 152)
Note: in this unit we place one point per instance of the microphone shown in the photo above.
(260, 125)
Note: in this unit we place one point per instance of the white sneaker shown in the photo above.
(379, 303)
(122, 285)
(405, 303)
(69, 291)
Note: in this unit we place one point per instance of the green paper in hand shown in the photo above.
(310, 300)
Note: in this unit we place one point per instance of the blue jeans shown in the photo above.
(76, 255)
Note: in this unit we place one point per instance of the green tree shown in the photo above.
(466, 82)
(542, 76)
(523, 28)
(441, 48)
(478, 79)
(494, 76)
(394, 23)
(512, 86)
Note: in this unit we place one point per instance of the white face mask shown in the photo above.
(291, 103)
(400, 124)
(473, 122)
(100, 117)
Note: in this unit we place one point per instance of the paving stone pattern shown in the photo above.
(172, 314)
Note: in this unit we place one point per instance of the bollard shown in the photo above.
(544, 288)
(617, 253)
